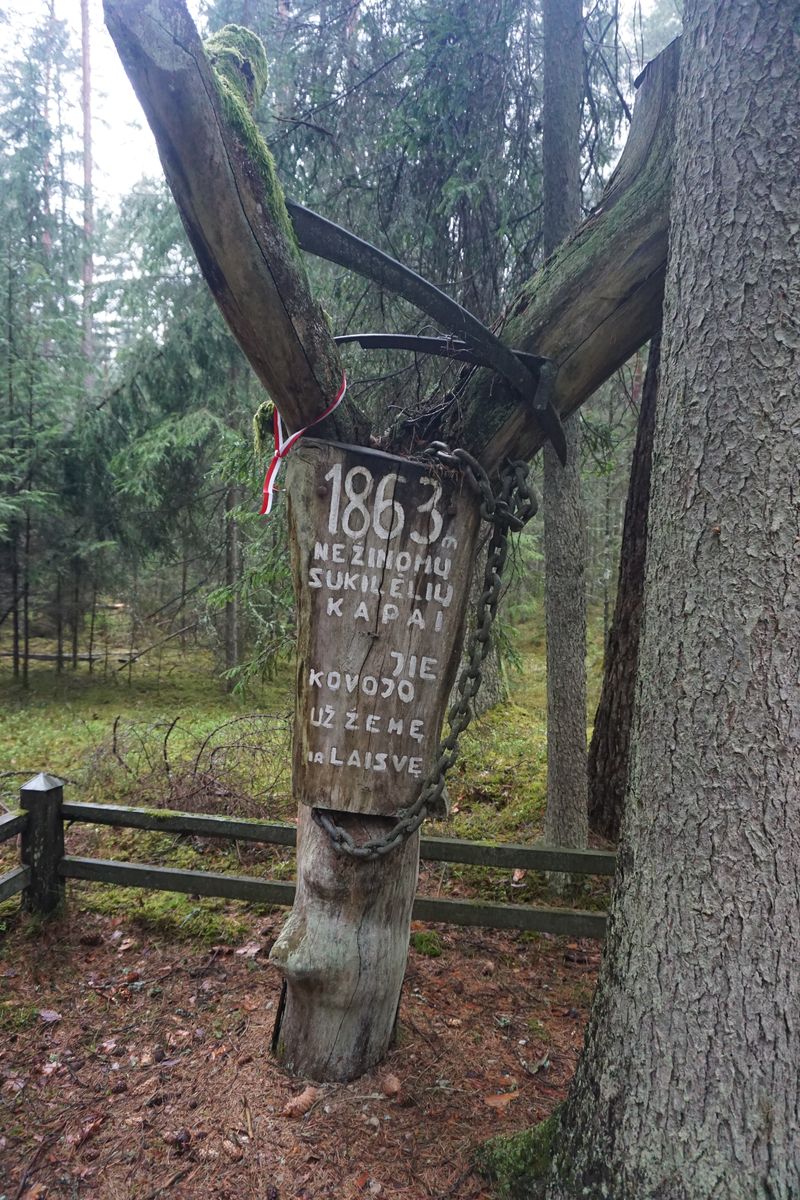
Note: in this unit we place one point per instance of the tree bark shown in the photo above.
(92, 621)
(610, 744)
(75, 611)
(688, 1086)
(562, 503)
(59, 605)
(26, 603)
(15, 596)
(566, 819)
(231, 613)
(88, 195)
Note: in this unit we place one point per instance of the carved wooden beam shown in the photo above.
(598, 298)
(232, 208)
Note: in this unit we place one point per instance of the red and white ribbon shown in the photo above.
(283, 445)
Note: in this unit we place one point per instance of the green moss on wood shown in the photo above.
(518, 1166)
(238, 56)
(239, 69)
(263, 428)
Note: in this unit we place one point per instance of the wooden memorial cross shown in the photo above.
(382, 555)
(365, 670)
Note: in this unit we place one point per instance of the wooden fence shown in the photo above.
(45, 866)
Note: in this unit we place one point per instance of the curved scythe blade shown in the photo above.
(323, 238)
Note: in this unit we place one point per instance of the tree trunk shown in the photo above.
(15, 595)
(598, 298)
(566, 821)
(231, 614)
(92, 621)
(75, 614)
(562, 503)
(26, 603)
(688, 1086)
(609, 748)
(59, 625)
(184, 584)
(343, 952)
(378, 645)
(88, 194)
(494, 684)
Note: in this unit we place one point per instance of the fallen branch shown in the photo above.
(154, 646)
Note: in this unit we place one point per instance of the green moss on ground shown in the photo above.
(170, 914)
(518, 1166)
(64, 723)
(15, 1017)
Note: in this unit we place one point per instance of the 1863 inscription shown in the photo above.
(382, 555)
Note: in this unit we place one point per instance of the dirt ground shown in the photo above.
(133, 1065)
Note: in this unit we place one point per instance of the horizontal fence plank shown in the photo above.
(262, 891)
(171, 879)
(14, 882)
(453, 850)
(573, 923)
(167, 820)
(531, 858)
(11, 824)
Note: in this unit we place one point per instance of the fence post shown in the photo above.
(43, 843)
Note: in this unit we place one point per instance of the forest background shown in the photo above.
(130, 472)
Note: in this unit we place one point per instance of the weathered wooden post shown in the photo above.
(42, 843)
(382, 554)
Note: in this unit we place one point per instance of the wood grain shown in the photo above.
(382, 555)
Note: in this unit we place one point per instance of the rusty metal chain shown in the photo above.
(506, 510)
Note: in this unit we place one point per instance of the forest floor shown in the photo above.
(134, 1065)
(135, 1030)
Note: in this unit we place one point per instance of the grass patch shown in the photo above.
(63, 723)
(15, 1017)
(206, 920)
(427, 943)
(173, 738)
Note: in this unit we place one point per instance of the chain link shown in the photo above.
(507, 511)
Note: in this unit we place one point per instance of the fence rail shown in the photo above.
(45, 866)
(14, 882)
(11, 824)
(242, 829)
